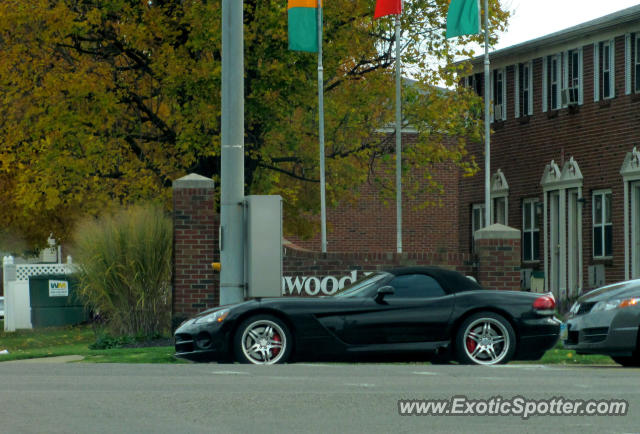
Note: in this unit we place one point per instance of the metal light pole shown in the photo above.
(232, 155)
(398, 140)
(487, 126)
(323, 206)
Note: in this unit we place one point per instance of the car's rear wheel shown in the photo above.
(485, 338)
(262, 340)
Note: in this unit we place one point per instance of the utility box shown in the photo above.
(263, 260)
(537, 281)
(54, 301)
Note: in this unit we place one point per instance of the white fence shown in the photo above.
(17, 305)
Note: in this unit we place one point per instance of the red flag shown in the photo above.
(387, 7)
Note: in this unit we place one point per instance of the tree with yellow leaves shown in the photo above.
(105, 102)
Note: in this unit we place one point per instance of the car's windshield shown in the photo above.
(361, 286)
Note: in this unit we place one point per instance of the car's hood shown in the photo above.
(217, 308)
(629, 288)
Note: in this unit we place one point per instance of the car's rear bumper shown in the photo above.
(537, 336)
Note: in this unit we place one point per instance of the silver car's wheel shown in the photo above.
(262, 340)
(485, 339)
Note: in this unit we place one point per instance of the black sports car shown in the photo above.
(402, 311)
(606, 321)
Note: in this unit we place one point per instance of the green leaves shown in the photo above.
(105, 103)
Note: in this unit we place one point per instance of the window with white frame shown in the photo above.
(636, 63)
(572, 74)
(604, 70)
(499, 210)
(632, 62)
(562, 79)
(477, 219)
(530, 230)
(552, 78)
(499, 93)
(524, 89)
(499, 195)
(474, 82)
(602, 225)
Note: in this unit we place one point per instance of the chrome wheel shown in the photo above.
(263, 342)
(486, 341)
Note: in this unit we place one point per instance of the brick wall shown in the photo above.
(195, 246)
(498, 253)
(598, 136)
(367, 221)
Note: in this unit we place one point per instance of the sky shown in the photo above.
(534, 18)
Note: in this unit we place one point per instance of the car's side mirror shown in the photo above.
(383, 291)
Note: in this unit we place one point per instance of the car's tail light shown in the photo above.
(545, 305)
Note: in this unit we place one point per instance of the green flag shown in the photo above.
(463, 18)
(303, 25)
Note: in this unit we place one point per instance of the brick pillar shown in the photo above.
(498, 252)
(195, 247)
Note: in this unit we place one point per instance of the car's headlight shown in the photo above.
(615, 304)
(217, 316)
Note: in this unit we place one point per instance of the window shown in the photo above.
(474, 82)
(632, 62)
(552, 75)
(415, 286)
(562, 79)
(499, 211)
(602, 226)
(477, 220)
(530, 231)
(524, 85)
(636, 63)
(604, 70)
(499, 94)
(572, 77)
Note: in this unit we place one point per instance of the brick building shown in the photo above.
(564, 164)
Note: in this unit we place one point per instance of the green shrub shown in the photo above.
(125, 269)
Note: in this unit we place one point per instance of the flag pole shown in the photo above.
(487, 129)
(398, 138)
(323, 207)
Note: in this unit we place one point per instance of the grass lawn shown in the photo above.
(560, 356)
(62, 341)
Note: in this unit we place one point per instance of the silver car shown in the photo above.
(606, 321)
(1, 307)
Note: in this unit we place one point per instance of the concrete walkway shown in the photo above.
(57, 359)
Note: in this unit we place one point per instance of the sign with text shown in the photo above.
(317, 285)
(58, 288)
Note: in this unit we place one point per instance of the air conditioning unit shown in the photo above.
(570, 96)
(497, 112)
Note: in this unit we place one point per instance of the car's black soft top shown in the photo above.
(451, 280)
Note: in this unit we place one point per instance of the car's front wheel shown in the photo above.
(262, 340)
(485, 338)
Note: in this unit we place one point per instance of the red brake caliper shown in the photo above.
(471, 345)
(275, 351)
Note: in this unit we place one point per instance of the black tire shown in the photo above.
(628, 361)
(485, 338)
(271, 341)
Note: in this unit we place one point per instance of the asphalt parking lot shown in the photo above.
(96, 398)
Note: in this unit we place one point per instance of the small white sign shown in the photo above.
(58, 288)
